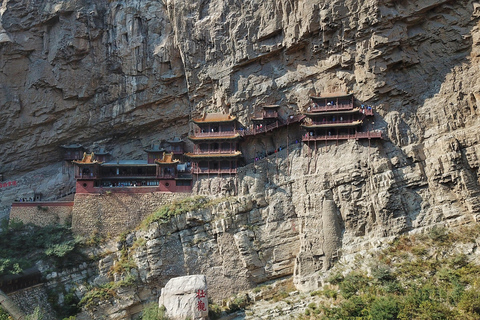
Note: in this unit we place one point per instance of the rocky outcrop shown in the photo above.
(185, 298)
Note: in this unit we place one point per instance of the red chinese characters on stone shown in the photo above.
(8, 184)
(201, 293)
(201, 306)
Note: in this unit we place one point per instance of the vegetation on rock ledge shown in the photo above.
(166, 212)
(22, 245)
(418, 277)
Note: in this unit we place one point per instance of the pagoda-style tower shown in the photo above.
(72, 151)
(335, 117)
(86, 172)
(216, 145)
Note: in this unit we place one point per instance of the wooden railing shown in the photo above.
(367, 112)
(213, 171)
(127, 175)
(369, 135)
(316, 123)
(336, 107)
(329, 137)
(358, 135)
(217, 151)
(215, 134)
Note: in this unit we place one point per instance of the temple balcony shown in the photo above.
(356, 136)
(201, 134)
(214, 151)
(332, 124)
(336, 107)
(213, 155)
(213, 171)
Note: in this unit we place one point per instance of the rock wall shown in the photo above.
(42, 213)
(110, 214)
(31, 298)
(157, 64)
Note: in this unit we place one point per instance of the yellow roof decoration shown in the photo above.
(167, 158)
(87, 159)
(214, 117)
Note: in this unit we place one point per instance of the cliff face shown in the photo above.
(122, 73)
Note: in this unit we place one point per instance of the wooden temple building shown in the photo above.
(335, 117)
(266, 118)
(216, 145)
(160, 172)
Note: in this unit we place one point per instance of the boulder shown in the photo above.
(185, 298)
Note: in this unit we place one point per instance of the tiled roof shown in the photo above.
(215, 117)
(332, 95)
(72, 146)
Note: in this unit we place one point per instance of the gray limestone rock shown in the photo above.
(185, 298)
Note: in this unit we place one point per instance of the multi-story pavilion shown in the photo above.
(216, 149)
(335, 117)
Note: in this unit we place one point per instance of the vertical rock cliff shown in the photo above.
(120, 74)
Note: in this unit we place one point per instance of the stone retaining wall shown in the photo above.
(30, 298)
(42, 213)
(110, 214)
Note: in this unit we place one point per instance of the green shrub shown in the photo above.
(153, 312)
(22, 245)
(353, 307)
(329, 293)
(382, 274)
(166, 212)
(312, 305)
(4, 315)
(335, 278)
(470, 302)
(37, 314)
(384, 308)
(214, 310)
(438, 234)
(352, 284)
(96, 295)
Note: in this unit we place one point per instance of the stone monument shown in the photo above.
(185, 298)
